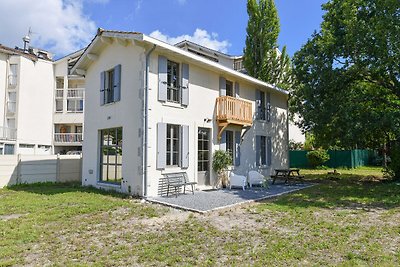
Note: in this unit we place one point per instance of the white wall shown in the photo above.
(34, 169)
(3, 84)
(125, 113)
(35, 102)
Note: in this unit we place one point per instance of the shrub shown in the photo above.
(317, 157)
(221, 161)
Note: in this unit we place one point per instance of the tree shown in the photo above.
(262, 58)
(347, 90)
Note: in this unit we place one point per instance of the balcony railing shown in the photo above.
(12, 81)
(233, 110)
(7, 133)
(11, 107)
(59, 93)
(68, 138)
(76, 93)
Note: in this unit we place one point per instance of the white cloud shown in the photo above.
(201, 37)
(59, 26)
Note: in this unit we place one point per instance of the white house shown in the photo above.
(41, 104)
(152, 108)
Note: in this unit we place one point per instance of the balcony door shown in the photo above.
(203, 156)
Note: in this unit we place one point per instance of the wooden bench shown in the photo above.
(177, 180)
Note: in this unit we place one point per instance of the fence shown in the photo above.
(17, 169)
(338, 158)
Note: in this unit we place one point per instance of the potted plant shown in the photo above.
(221, 161)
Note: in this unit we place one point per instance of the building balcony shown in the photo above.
(7, 133)
(68, 138)
(12, 81)
(233, 111)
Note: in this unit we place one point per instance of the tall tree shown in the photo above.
(348, 74)
(261, 57)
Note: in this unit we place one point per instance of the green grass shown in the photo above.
(348, 220)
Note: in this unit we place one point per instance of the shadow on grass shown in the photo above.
(344, 192)
(60, 188)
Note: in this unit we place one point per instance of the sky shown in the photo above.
(64, 26)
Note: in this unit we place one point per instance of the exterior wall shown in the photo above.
(3, 84)
(35, 102)
(204, 89)
(127, 113)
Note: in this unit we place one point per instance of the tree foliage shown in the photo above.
(348, 74)
(262, 58)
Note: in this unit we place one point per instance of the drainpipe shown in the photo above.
(145, 121)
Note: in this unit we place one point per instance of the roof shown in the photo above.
(96, 45)
(12, 51)
(201, 47)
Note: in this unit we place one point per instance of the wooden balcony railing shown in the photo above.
(231, 110)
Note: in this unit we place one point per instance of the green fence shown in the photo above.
(338, 158)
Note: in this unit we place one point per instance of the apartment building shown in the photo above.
(152, 108)
(41, 105)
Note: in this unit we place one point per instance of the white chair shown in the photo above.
(256, 178)
(237, 181)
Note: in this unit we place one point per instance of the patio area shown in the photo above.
(206, 201)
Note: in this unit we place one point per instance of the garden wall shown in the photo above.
(17, 169)
(338, 158)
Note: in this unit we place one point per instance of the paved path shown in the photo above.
(204, 201)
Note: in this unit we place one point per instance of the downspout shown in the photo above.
(145, 121)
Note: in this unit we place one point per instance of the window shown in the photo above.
(229, 88)
(8, 149)
(59, 82)
(263, 101)
(12, 102)
(26, 146)
(173, 88)
(59, 105)
(230, 145)
(110, 86)
(261, 106)
(75, 105)
(111, 155)
(173, 145)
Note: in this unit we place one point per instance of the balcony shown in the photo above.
(7, 133)
(233, 111)
(76, 93)
(11, 107)
(68, 138)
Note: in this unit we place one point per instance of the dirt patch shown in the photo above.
(10, 216)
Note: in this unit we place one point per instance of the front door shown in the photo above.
(203, 156)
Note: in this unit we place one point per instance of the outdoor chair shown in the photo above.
(236, 180)
(256, 178)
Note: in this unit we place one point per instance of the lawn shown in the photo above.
(349, 219)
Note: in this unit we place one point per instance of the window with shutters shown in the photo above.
(173, 144)
(111, 155)
(263, 102)
(110, 89)
(173, 87)
(261, 106)
(229, 88)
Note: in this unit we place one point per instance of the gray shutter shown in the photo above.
(269, 151)
(161, 145)
(117, 83)
(184, 146)
(237, 148)
(268, 109)
(237, 89)
(258, 104)
(102, 87)
(162, 78)
(222, 144)
(185, 84)
(258, 150)
(222, 86)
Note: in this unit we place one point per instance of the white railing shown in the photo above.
(8, 133)
(68, 138)
(11, 107)
(76, 93)
(59, 93)
(12, 81)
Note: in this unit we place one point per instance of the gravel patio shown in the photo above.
(210, 200)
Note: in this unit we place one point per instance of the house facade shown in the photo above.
(152, 108)
(33, 120)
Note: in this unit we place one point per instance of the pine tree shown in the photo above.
(261, 57)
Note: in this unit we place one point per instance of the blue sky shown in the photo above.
(219, 24)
